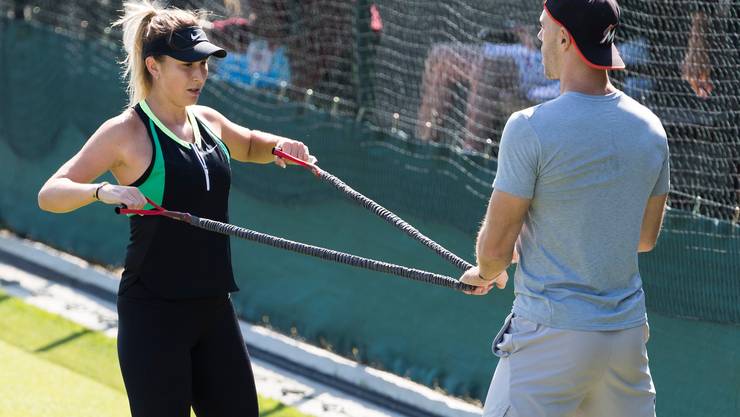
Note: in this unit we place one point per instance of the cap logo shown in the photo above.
(609, 34)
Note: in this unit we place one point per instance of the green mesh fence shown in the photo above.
(59, 81)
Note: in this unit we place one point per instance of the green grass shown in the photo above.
(52, 366)
(35, 387)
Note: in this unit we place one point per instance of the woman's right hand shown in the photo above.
(130, 197)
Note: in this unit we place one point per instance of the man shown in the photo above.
(581, 187)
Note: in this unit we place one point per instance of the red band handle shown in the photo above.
(280, 154)
(158, 210)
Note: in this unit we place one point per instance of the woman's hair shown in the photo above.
(143, 21)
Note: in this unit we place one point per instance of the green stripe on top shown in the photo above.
(215, 138)
(223, 146)
(153, 185)
(162, 126)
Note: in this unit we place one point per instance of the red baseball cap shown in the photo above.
(592, 24)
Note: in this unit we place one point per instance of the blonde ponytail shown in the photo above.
(142, 21)
(135, 24)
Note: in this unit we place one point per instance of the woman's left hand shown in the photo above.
(296, 149)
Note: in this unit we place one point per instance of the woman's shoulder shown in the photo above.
(122, 128)
(125, 123)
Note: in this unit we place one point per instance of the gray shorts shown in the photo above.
(548, 372)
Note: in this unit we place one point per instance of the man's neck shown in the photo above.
(579, 78)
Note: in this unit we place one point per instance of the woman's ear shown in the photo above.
(153, 67)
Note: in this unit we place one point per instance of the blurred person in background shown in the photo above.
(256, 57)
(306, 43)
(501, 75)
(711, 67)
(687, 59)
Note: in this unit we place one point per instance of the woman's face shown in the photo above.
(181, 81)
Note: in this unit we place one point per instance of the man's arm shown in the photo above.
(651, 223)
(496, 239)
(516, 177)
(652, 219)
(498, 234)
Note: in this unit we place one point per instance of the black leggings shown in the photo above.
(175, 354)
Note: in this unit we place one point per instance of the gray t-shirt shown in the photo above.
(589, 164)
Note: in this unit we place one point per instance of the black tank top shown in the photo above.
(172, 259)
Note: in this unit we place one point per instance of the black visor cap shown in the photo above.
(188, 44)
(592, 24)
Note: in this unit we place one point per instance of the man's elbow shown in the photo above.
(646, 246)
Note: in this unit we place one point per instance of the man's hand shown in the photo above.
(472, 277)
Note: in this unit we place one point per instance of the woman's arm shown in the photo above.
(70, 188)
(697, 67)
(248, 145)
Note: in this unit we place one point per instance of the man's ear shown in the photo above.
(564, 39)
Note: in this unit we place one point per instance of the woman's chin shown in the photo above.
(189, 100)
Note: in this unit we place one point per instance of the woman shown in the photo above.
(179, 343)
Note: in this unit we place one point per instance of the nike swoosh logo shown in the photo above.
(193, 36)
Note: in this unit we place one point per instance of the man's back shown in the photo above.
(589, 164)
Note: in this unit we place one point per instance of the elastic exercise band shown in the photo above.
(329, 254)
(380, 211)
(323, 253)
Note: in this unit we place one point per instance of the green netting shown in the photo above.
(58, 85)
